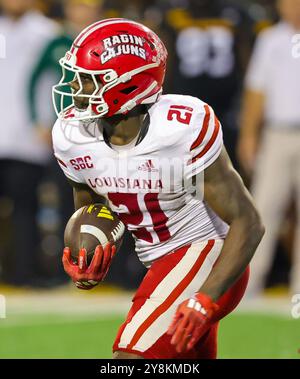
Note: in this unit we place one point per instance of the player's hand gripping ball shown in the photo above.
(93, 235)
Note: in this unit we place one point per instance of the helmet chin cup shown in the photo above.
(83, 114)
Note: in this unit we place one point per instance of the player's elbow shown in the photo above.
(254, 224)
(258, 229)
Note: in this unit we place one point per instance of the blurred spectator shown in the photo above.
(212, 43)
(78, 14)
(23, 154)
(269, 144)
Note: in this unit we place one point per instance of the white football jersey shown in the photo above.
(156, 185)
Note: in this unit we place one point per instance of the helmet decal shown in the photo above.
(122, 44)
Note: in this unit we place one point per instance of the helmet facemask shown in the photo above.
(63, 95)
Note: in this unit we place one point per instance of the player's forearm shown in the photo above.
(251, 114)
(83, 195)
(82, 198)
(244, 235)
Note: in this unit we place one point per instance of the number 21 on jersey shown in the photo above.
(180, 113)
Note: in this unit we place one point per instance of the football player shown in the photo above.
(160, 163)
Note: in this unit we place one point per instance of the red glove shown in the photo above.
(190, 321)
(86, 277)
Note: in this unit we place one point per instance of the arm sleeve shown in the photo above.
(62, 149)
(206, 143)
(67, 170)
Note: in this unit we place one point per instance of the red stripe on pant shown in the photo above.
(154, 276)
(206, 348)
(173, 296)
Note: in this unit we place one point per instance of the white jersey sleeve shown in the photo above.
(205, 141)
(62, 147)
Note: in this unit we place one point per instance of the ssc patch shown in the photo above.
(122, 44)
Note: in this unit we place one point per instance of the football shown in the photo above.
(90, 226)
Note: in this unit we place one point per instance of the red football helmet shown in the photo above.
(126, 61)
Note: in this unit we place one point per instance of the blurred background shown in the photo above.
(235, 55)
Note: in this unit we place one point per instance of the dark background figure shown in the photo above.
(211, 45)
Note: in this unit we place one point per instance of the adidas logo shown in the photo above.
(148, 166)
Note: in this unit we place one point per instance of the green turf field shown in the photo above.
(240, 336)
